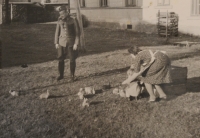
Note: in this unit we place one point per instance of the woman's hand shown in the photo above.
(125, 82)
(56, 46)
(131, 78)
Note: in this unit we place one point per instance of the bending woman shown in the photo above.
(157, 73)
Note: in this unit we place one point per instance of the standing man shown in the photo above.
(67, 37)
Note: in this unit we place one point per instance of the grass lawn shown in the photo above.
(108, 116)
(34, 43)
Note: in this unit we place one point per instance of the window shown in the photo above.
(82, 3)
(103, 3)
(130, 2)
(163, 2)
(195, 7)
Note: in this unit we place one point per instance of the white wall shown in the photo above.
(116, 3)
(187, 23)
(34, 0)
(119, 16)
(88, 3)
(116, 12)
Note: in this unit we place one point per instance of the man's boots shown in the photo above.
(61, 70)
(72, 71)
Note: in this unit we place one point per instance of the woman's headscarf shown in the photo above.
(134, 50)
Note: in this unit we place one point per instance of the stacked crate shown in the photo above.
(167, 24)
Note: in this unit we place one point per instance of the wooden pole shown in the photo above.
(79, 18)
(69, 5)
(11, 12)
(159, 22)
(6, 11)
(167, 26)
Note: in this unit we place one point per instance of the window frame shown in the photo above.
(103, 3)
(82, 3)
(162, 3)
(131, 5)
(195, 8)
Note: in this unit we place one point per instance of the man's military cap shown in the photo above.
(62, 8)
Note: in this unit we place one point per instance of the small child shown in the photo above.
(135, 87)
(130, 72)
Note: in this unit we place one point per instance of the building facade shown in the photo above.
(121, 14)
(141, 15)
(137, 15)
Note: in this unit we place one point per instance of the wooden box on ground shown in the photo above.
(179, 80)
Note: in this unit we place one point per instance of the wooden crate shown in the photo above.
(179, 75)
(179, 80)
(167, 24)
(177, 89)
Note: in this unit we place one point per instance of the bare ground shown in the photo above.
(108, 115)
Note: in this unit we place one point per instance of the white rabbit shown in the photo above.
(14, 93)
(81, 93)
(85, 103)
(116, 91)
(89, 90)
(45, 95)
(122, 93)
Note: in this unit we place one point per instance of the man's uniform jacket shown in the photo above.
(67, 32)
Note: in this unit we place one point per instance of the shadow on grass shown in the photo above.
(89, 95)
(81, 78)
(193, 85)
(96, 102)
(57, 96)
(99, 91)
(34, 43)
(109, 72)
